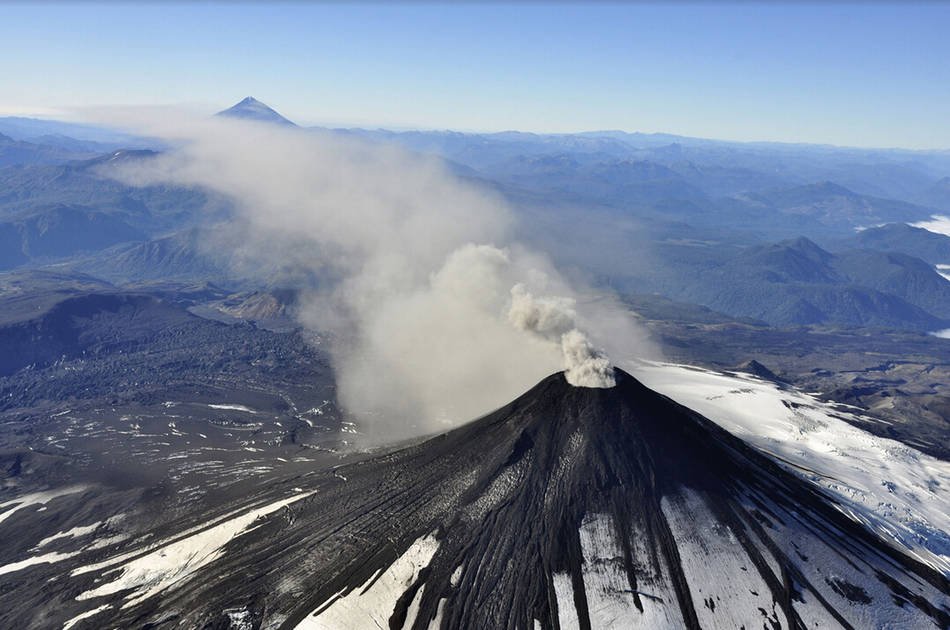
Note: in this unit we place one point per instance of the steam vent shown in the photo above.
(567, 508)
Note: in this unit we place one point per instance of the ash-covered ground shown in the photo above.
(154, 412)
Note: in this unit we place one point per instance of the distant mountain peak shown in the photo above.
(757, 369)
(801, 245)
(252, 109)
(942, 184)
(830, 188)
(805, 243)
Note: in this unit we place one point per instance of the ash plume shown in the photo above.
(434, 314)
(554, 318)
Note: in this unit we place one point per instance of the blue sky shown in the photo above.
(853, 74)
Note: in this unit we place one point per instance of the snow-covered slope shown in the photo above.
(892, 488)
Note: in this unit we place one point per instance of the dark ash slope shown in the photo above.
(569, 507)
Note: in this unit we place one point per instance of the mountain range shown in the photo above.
(696, 221)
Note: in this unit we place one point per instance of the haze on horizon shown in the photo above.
(864, 75)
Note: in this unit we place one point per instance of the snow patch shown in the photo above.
(566, 610)
(609, 600)
(36, 498)
(456, 575)
(725, 586)
(75, 532)
(371, 604)
(938, 224)
(886, 485)
(53, 556)
(86, 615)
(233, 407)
(169, 564)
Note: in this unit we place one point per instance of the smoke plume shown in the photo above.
(434, 315)
(554, 318)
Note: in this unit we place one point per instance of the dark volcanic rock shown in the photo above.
(77, 324)
(757, 369)
(569, 507)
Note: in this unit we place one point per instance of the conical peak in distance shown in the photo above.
(567, 508)
(252, 109)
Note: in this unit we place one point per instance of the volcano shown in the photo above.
(568, 508)
(252, 109)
